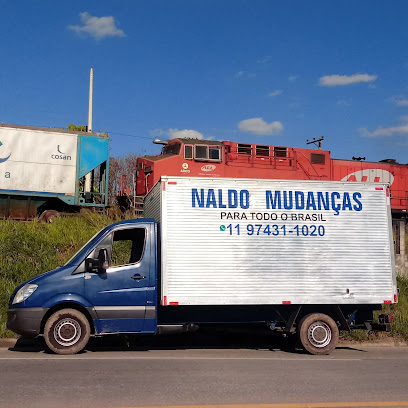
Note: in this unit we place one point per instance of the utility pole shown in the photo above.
(88, 180)
(90, 101)
(317, 142)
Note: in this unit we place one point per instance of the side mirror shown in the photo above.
(103, 259)
(100, 264)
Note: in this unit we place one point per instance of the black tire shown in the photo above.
(318, 333)
(28, 336)
(67, 331)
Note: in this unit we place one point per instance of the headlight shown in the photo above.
(24, 292)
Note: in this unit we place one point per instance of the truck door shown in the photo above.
(120, 293)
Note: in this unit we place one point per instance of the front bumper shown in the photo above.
(26, 321)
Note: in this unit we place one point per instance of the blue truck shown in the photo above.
(295, 255)
(45, 171)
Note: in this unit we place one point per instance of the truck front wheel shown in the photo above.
(67, 331)
(318, 333)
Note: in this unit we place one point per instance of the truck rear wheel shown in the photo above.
(318, 333)
(67, 331)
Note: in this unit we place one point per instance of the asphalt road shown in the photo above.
(178, 370)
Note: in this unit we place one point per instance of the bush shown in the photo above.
(399, 311)
(399, 325)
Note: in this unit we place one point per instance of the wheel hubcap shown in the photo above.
(67, 332)
(319, 334)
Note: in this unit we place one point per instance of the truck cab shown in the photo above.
(109, 286)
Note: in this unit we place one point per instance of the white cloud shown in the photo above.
(335, 80)
(275, 93)
(186, 134)
(385, 132)
(293, 78)
(294, 104)
(343, 102)
(245, 74)
(260, 127)
(97, 27)
(399, 100)
(264, 60)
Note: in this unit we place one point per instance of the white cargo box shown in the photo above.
(231, 241)
(35, 160)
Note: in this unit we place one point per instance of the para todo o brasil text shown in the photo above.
(278, 200)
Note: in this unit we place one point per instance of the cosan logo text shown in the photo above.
(4, 154)
(60, 155)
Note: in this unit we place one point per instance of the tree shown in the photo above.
(79, 128)
(118, 167)
(113, 185)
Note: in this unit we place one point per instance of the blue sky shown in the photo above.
(256, 71)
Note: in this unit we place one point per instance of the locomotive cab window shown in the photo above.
(172, 149)
(188, 152)
(214, 153)
(207, 153)
(201, 152)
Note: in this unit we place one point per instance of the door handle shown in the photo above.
(137, 276)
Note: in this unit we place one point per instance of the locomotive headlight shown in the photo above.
(24, 292)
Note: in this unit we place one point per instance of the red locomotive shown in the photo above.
(207, 158)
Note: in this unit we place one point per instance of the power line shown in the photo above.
(124, 134)
(99, 131)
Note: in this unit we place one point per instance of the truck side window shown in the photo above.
(128, 246)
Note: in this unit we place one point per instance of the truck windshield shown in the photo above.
(80, 255)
